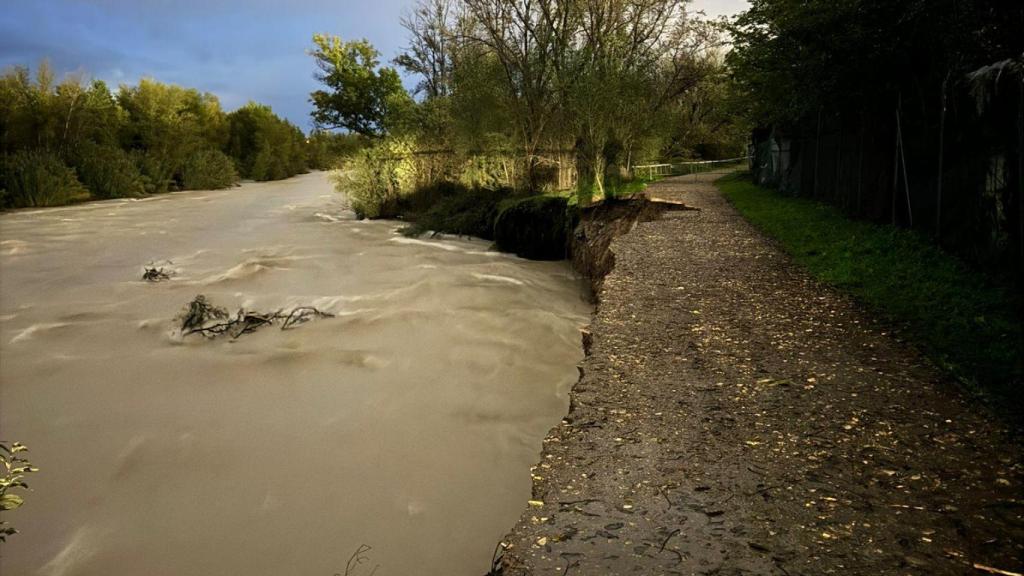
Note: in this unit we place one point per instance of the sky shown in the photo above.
(240, 50)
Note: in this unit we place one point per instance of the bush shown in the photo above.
(208, 170)
(489, 171)
(536, 227)
(39, 178)
(108, 171)
(377, 178)
(157, 171)
(454, 208)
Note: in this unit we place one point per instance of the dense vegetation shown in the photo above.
(528, 97)
(965, 321)
(72, 140)
(907, 112)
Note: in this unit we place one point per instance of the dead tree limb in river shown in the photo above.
(201, 317)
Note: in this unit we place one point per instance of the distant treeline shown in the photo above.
(73, 140)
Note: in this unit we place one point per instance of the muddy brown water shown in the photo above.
(408, 423)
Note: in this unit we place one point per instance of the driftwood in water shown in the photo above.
(154, 274)
(202, 317)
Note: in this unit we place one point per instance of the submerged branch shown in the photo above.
(201, 317)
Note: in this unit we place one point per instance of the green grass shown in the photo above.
(967, 322)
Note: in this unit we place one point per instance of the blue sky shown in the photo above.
(238, 49)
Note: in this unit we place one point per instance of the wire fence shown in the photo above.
(655, 171)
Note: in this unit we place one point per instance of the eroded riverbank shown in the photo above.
(407, 423)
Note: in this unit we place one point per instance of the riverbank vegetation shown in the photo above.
(967, 322)
(524, 99)
(15, 467)
(72, 140)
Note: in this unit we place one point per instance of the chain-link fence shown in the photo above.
(949, 164)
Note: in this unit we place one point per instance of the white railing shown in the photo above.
(652, 171)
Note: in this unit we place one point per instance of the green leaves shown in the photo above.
(11, 477)
(10, 501)
(361, 96)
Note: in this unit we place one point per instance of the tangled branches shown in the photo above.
(154, 274)
(202, 317)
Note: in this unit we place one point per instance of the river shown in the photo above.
(407, 423)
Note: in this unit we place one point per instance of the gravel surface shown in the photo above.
(734, 416)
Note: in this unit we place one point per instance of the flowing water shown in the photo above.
(407, 423)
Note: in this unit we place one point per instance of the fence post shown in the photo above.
(903, 158)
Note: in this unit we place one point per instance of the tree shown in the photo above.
(361, 95)
(264, 146)
(591, 74)
(530, 40)
(432, 45)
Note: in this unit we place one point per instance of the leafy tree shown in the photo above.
(264, 146)
(793, 57)
(149, 138)
(167, 124)
(432, 47)
(361, 96)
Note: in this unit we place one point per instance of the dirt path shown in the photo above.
(736, 417)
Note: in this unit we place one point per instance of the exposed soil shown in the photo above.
(734, 416)
(602, 223)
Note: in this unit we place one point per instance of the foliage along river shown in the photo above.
(407, 423)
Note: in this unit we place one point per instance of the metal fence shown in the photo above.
(655, 171)
(950, 165)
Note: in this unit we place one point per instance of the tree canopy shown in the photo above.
(361, 96)
(513, 84)
(73, 139)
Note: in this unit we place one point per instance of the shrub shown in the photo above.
(536, 227)
(39, 178)
(489, 171)
(107, 171)
(376, 179)
(208, 170)
(454, 208)
(157, 171)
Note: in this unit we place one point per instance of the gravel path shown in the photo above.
(736, 417)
